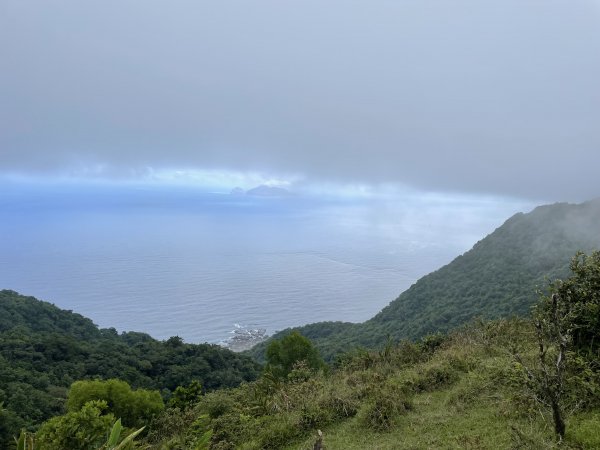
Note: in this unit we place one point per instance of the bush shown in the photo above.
(186, 397)
(171, 426)
(134, 408)
(217, 403)
(275, 432)
(285, 354)
(383, 410)
(340, 404)
(313, 416)
(429, 378)
(230, 430)
(85, 429)
(437, 377)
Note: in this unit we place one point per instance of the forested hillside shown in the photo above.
(498, 277)
(44, 349)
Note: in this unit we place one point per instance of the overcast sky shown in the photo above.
(483, 96)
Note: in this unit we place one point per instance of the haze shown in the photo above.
(494, 97)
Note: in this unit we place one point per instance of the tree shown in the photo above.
(186, 397)
(283, 355)
(84, 429)
(567, 324)
(134, 408)
(580, 295)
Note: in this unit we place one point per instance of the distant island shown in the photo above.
(262, 191)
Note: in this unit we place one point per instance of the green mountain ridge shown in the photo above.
(497, 278)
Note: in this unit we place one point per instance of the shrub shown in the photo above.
(313, 416)
(80, 430)
(383, 410)
(432, 342)
(170, 425)
(340, 405)
(217, 403)
(186, 397)
(284, 354)
(274, 432)
(436, 377)
(134, 408)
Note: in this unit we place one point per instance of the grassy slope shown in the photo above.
(462, 394)
(478, 410)
(498, 277)
(440, 419)
(434, 424)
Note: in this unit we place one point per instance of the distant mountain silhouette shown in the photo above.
(268, 191)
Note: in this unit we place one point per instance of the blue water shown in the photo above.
(183, 262)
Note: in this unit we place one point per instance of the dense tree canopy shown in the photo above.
(135, 408)
(284, 354)
(84, 429)
(44, 349)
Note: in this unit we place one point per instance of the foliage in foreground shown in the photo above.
(115, 440)
(463, 390)
(134, 407)
(44, 349)
(567, 324)
(80, 430)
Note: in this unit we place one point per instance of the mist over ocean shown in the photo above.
(183, 262)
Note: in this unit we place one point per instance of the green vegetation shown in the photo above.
(472, 388)
(464, 391)
(186, 396)
(567, 328)
(84, 429)
(134, 408)
(497, 278)
(80, 431)
(291, 355)
(43, 350)
(489, 383)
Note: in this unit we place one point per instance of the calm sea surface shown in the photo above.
(182, 262)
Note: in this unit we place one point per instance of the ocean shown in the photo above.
(181, 261)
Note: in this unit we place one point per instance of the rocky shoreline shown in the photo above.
(244, 338)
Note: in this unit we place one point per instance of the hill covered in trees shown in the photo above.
(497, 278)
(44, 349)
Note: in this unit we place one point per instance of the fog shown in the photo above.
(487, 98)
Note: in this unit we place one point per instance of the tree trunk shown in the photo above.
(559, 423)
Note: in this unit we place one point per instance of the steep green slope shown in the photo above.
(498, 277)
(43, 349)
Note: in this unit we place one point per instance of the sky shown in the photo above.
(495, 97)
